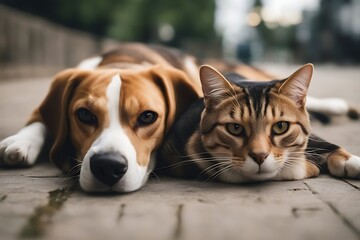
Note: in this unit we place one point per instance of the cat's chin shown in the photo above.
(250, 171)
(238, 176)
(261, 176)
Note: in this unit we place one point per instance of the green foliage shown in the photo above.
(128, 20)
(140, 19)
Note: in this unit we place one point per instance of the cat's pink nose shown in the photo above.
(259, 158)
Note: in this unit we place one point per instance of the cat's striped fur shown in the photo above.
(252, 131)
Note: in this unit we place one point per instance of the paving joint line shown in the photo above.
(335, 210)
(121, 212)
(178, 226)
(354, 186)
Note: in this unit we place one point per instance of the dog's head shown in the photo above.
(108, 122)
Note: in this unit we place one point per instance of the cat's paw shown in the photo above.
(344, 166)
(18, 151)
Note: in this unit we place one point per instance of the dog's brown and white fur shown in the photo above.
(116, 89)
(93, 115)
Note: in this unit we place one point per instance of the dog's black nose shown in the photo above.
(108, 168)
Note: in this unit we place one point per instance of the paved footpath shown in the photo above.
(37, 203)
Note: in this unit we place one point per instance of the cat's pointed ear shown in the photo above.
(296, 86)
(214, 85)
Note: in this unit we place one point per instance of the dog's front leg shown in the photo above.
(23, 148)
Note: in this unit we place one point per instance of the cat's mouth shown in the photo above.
(258, 175)
(265, 173)
(262, 170)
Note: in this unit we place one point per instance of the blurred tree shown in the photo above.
(84, 15)
(279, 38)
(334, 31)
(129, 20)
(141, 19)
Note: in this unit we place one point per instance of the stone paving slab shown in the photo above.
(320, 208)
(21, 192)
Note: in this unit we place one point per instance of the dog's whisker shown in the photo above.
(152, 173)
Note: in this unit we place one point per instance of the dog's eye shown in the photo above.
(86, 116)
(234, 129)
(280, 128)
(147, 118)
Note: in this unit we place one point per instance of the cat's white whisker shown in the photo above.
(212, 167)
(218, 173)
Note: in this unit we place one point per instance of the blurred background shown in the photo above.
(39, 37)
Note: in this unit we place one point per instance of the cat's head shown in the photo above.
(261, 128)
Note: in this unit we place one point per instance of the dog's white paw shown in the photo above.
(17, 151)
(23, 148)
(346, 168)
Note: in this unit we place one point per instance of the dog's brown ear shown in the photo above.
(53, 112)
(179, 91)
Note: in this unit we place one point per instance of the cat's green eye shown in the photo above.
(234, 129)
(280, 128)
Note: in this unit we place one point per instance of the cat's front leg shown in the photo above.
(343, 164)
(311, 170)
(23, 148)
(330, 157)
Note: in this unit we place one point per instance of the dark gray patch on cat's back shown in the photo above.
(186, 125)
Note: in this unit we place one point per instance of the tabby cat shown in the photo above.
(252, 131)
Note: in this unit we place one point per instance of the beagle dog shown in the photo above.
(106, 118)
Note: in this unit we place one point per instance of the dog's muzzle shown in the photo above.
(109, 167)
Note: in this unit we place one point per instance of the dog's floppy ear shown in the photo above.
(179, 91)
(53, 112)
